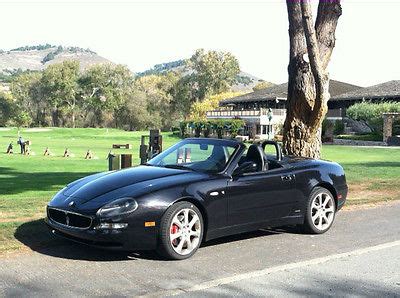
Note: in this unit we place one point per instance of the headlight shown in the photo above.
(118, 207)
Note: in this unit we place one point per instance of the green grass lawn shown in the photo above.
(372, 173)
(27, 183)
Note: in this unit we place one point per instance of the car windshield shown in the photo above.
(204, 155)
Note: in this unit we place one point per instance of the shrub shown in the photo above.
(371, 113)
(338, 127)
(22, 119)
(183, 128)
(327, 127)
(7, 107)
(220, 126)
(207, 129)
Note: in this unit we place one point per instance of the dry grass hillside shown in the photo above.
(38, 59)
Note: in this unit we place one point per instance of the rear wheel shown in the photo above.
(181, 231)
(321, 210)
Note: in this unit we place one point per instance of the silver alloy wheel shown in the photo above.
(185, 231)
(322, 211)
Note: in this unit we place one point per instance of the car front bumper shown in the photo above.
(134, 237)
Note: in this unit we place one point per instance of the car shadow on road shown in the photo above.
(35, 235)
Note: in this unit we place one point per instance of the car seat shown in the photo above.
(255, 154)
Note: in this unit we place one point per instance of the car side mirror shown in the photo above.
(246, 167)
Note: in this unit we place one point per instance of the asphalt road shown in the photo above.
(359, 256)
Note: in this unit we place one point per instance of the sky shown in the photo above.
(140, 34)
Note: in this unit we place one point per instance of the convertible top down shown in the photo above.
(197, 190)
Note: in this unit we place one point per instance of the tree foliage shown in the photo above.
(7, 108)
(108, 95)
(104, 86)
(26, 92)
(221, 127)
(371, 113)
(214, 72)
(160, 91)
(199, 109)
(60, 84)
(262, 85)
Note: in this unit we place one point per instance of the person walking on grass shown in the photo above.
(21, 142)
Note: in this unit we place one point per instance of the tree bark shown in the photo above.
(55, 116)
(308, 84)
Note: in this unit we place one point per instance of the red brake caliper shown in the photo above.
(174, 230)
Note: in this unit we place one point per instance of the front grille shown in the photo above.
(69, 219)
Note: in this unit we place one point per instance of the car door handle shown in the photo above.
(287, 177)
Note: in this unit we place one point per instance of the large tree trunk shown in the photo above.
(310, 51)
(73, 119)
(55, 117)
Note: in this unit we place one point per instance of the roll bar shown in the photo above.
(277, 148)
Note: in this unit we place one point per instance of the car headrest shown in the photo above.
(256, 155)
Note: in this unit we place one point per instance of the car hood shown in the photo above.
(102, 187)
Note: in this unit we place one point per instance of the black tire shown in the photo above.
(164, 244)
(309, 226)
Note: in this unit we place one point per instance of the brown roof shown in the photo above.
(280, 91)
(386, 90)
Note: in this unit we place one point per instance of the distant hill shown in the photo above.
(40, 56)
(244, 81)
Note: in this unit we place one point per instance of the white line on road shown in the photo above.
(253, 274)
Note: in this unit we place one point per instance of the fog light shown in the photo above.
(110, 226)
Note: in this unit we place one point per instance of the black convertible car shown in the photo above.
(197, 190)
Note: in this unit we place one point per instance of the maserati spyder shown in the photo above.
(198, 190)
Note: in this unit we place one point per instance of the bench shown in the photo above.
(122, 146)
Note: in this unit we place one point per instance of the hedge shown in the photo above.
(220, 126)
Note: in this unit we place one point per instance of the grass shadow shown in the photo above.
(15, 182)
(375, 164)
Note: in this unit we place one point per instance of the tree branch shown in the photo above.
(312, 42)
(317, 70)
(296, 32)
(328, 15)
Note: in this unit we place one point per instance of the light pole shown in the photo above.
(270, 116)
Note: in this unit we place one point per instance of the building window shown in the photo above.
(266, 129)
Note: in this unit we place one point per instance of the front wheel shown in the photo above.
(321, 209)
(181, 231)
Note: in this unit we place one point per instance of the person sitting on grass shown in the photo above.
(10, 148)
